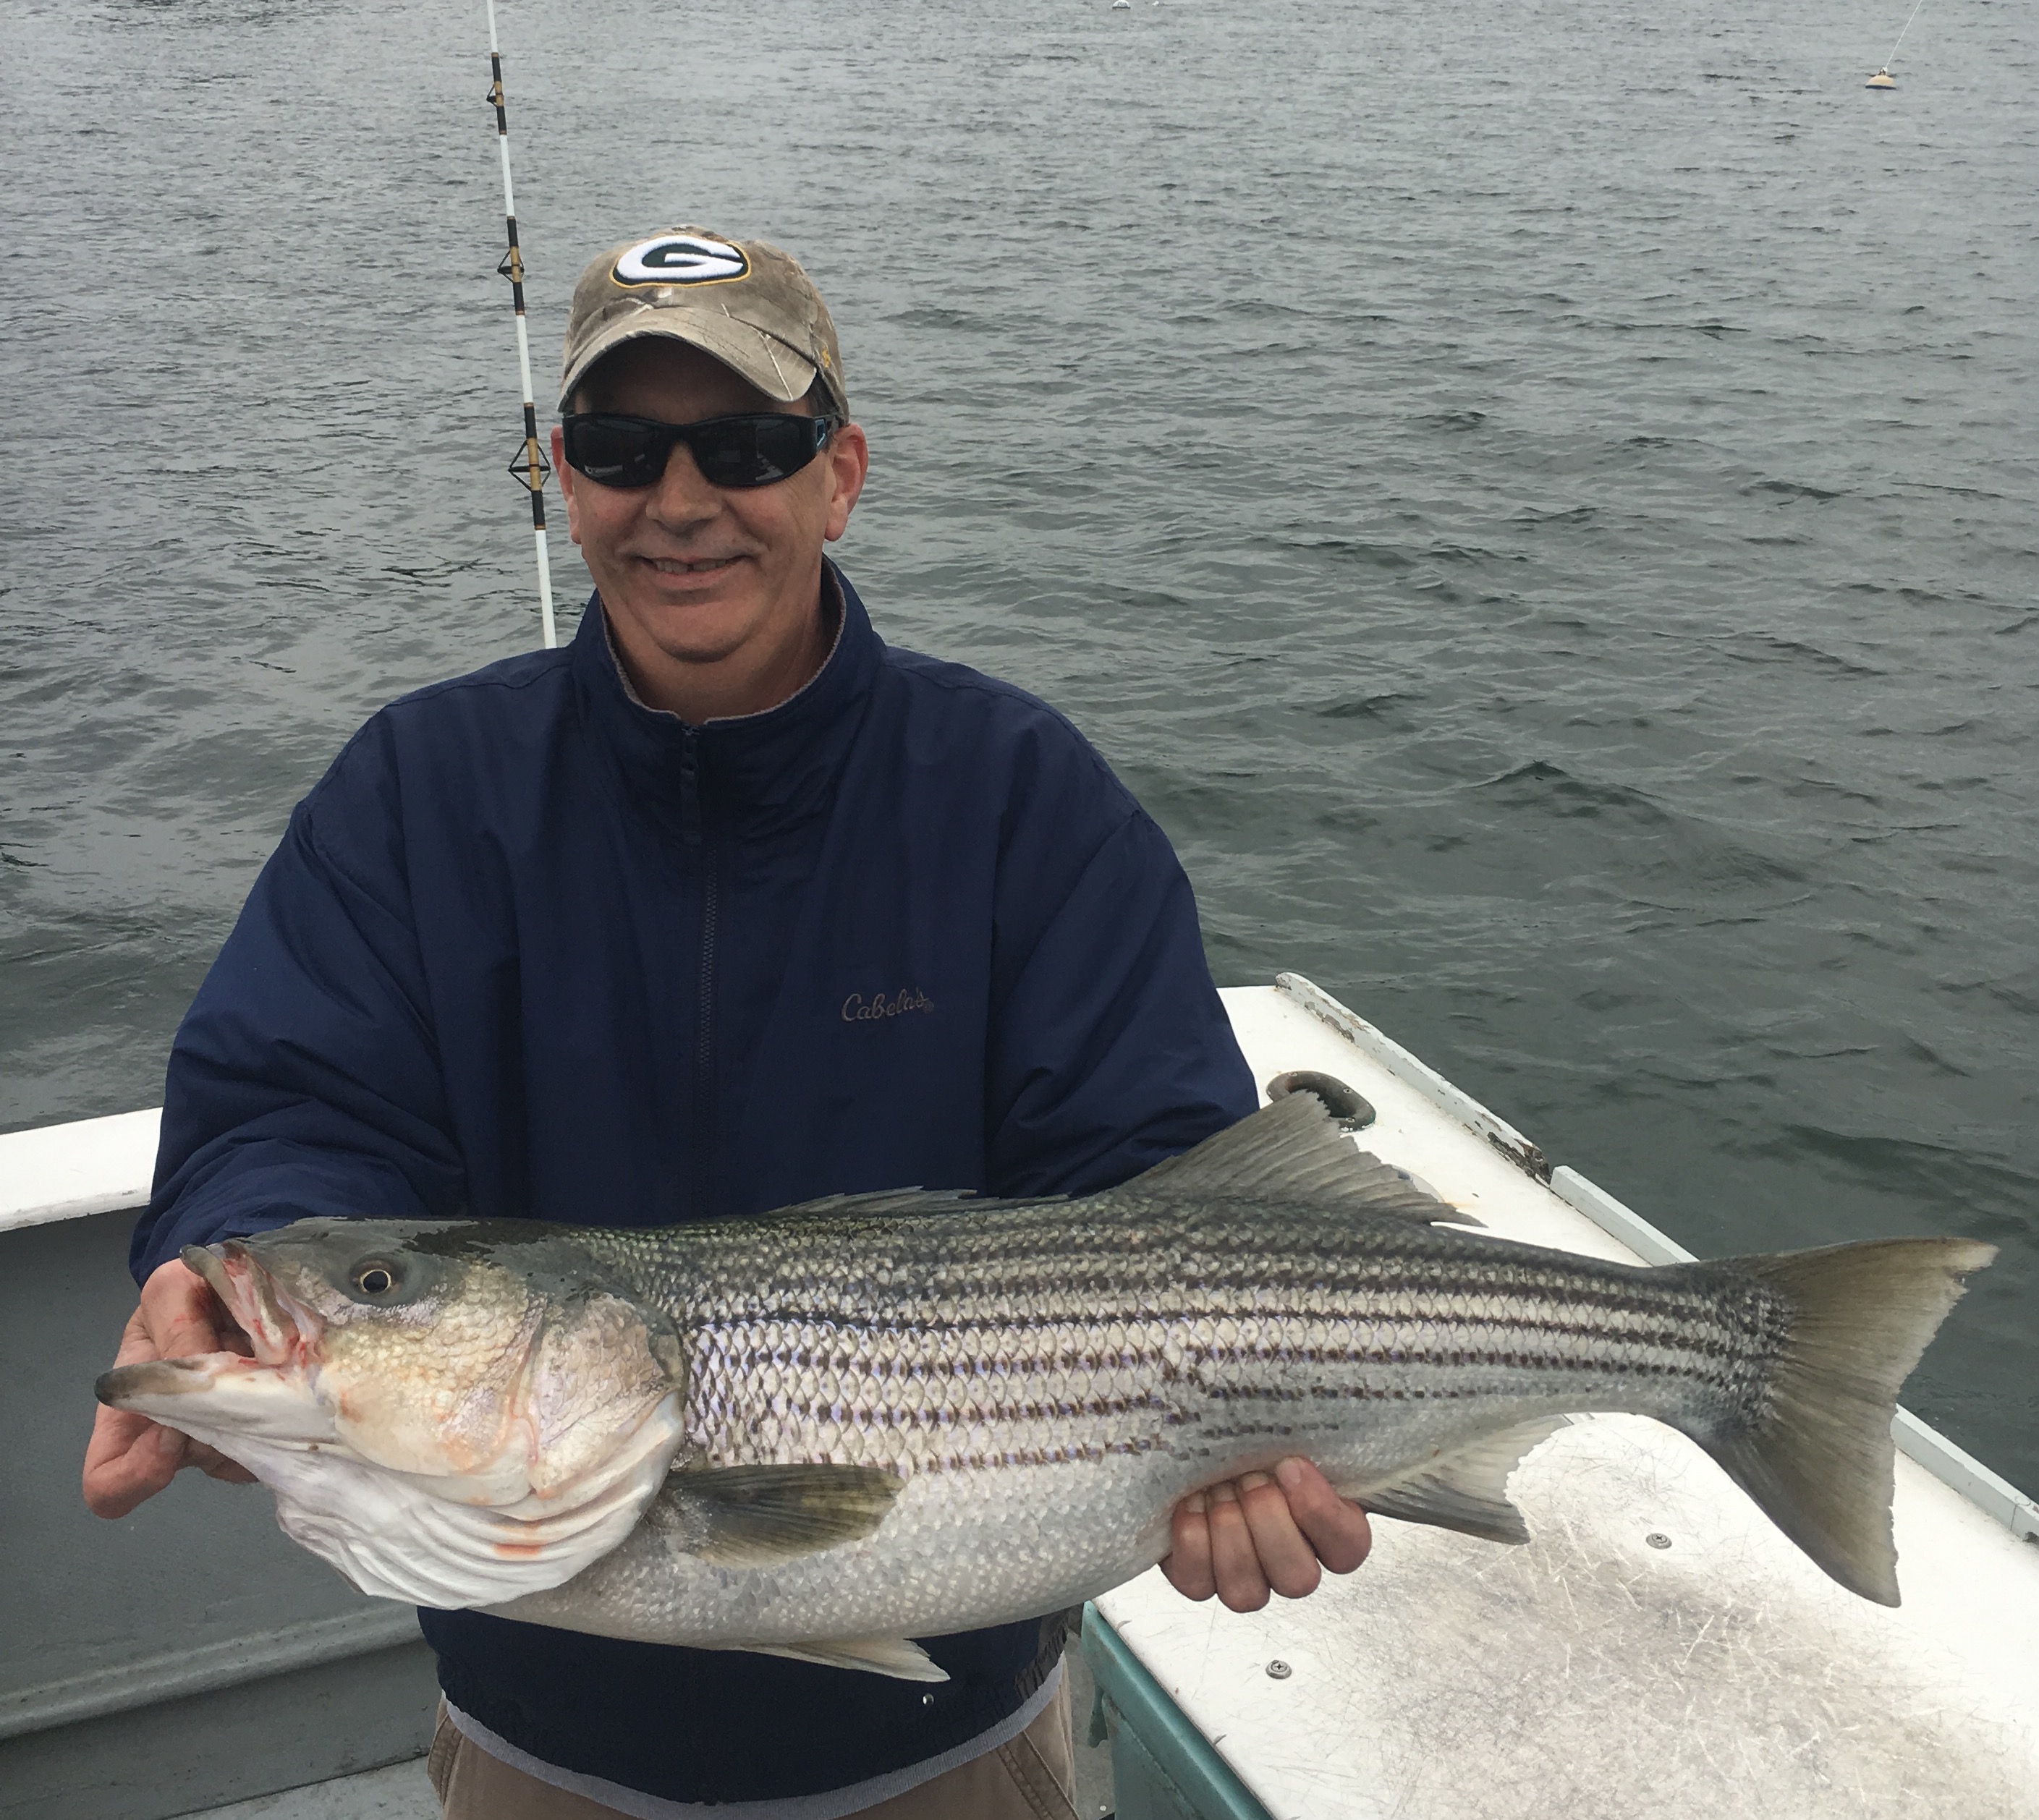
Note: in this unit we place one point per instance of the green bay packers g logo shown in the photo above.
(681, 259)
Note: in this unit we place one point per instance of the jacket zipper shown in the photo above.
(694, 834)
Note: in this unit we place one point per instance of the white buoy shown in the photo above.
(1883, 78)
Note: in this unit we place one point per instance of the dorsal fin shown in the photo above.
(881, 1201)
(878, 1203)
(1293, 1151)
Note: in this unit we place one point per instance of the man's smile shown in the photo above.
(704, 566)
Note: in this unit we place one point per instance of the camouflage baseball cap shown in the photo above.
(744, 301)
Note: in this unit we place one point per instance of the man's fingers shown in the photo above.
(1338, 1533)
(215, 1465)
(1285, 1555)
(128, 1458)
(1265, 1533)
(1188, 1567)
(135, 1342)
(183, 1316)
(1235, 1560)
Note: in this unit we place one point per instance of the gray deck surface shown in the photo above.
(399, 1791)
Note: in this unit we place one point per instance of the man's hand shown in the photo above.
(129, 1458)
(1264, 1533)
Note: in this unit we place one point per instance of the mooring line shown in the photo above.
(530, 466)
(1892, 57)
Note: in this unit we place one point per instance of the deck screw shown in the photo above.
(1656, 1539)
(1279, 1671)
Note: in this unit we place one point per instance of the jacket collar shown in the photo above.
(756, 771)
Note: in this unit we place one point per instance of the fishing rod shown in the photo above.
(530, 466)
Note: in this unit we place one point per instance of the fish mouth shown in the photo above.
(278, 1329)
(262, 1385)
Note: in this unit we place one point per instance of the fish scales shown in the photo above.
(850, 1350)
(1060, 1375)
(822, 1432)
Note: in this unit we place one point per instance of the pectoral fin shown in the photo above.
(892, 1655)
(751, 1516)
(1466, 1490)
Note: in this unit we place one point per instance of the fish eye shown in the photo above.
(375, 1277)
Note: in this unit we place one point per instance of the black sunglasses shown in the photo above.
(747, 451)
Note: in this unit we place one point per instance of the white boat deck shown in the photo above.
(1658, 1649)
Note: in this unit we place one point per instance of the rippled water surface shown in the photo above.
(1540, 501)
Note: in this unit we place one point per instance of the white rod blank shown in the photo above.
(530, 466)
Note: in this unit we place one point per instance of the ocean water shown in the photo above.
(1540, 501)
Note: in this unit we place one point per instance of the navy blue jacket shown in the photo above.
(533, 950)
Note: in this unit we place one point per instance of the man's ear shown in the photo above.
(567, 478)
(849, 458)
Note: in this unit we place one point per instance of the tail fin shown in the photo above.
(1821, 1463)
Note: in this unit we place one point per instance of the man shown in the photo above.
(726, 906)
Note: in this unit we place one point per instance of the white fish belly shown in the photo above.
(965, 1550)
(957, 1551)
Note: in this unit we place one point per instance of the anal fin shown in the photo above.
(892, 1655)
(752, 1516)
(1466, 1489)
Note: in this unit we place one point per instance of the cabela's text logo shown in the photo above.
(856, 1009)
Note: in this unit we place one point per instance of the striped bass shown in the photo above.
(821, 1432)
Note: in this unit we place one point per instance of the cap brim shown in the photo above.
(763, 359)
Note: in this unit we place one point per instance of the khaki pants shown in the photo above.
(1033, 1777)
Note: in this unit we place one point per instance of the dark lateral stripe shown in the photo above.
(742, 1333)
(1468, 1341)
(837, 1414)
(1458, 1341)
(1068, 1300)
(1076, 1453)
(1072, 1454)
(948, 1364)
